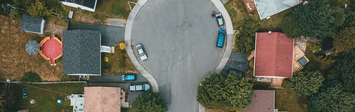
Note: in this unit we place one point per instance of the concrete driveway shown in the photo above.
(180, 38)
(110, 35)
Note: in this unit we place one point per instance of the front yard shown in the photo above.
(288, 100)
(46, 96)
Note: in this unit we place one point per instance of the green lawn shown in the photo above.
(288, 100)
(128, 110)
(317, 64)
(46, 96)
(118, 63)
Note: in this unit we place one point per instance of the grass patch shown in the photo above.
(128, 110)
(118, 63)
(46, 96)
(288, 100)
(317, 64)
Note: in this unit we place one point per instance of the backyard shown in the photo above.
(288, 100)
(15, 61)
(46, 96)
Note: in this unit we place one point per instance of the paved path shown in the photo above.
(110, 35)
(129, 50)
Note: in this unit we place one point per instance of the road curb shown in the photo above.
(127, 38)
(230, 35)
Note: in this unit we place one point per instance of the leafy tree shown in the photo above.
(231, 92)
(349, 17)
(332, 99)
(344, 40)
(307, 83)
(290, 26)
(313, 46)
(31, 77)
(150, 102)
(339, 16)
(39, 9)
(14, 14)
(327, 44)
(246, 39)
(287, 84)
(345, 66)
(315, 19)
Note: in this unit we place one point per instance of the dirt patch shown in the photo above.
(86, 18)
(54, 29)
(15, 61)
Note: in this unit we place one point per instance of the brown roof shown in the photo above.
(102, 99)
(251, 5)
(261, 101)
(273, 55)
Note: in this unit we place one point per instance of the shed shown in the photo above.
(32, 24)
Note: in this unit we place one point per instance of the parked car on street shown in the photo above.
(220, 39)
(220, 20)
(139, 87)
(234, 71)
(142, 54)
(24, 93)
(129, 77)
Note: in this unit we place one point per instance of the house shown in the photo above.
(77, 101)
(32, 24)
(273, 55)
(267, 8)
(261, 101)
(89, 5)
(102, 99)
(81, 52)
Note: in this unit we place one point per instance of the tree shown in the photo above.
(246, 39)
(307, 83)
(150, 102)
(290, 26)
(231, 92)
(327, 44)
(332, 99)
(349, 17)
(339, 16)
(315, 19)
(287, 84)
(39, 9)
(345, 66)
(31, 77)
(344, 40)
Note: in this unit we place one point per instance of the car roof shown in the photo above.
(220, 40)
(140, 51)
(220, 20)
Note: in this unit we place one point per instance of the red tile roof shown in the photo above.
(102, 99)
(273, 55)
(261, 101)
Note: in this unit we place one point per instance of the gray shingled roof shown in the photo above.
(267, 8)
(81, 52)
(87, 3)
(303, 61)
(31, 24)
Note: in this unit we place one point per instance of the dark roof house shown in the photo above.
(81, 52)
(273, 55)
(32, 24)
(261, 101)
(89, 5)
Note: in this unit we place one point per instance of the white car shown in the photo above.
(141, 52)
(219, 18)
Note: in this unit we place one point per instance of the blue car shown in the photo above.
(220, 40)
(129, 77)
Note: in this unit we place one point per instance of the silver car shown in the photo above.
(141, 52)
(219, 18)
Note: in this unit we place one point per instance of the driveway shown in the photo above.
(116, 78)
(110, 35)
(236, 61)
(180, 38)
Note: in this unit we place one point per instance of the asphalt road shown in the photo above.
(110, 35)
(180, 38)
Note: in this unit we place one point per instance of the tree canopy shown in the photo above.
(332, 99)
(31, 77)
(290, 26)
(39, 9)
(246, 39)
(307, 83)
(344, 40)
(315, 19)
(150, 102)
(345, 66)
(231, 92)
